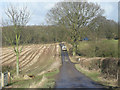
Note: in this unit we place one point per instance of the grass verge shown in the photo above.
(37, 81)
(92, 74)
(50, 79)
(95, 76)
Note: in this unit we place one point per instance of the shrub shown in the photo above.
(109, 67)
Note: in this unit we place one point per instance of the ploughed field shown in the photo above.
(33, 59)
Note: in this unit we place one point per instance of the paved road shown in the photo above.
(69, 77)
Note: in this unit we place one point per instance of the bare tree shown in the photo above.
(18, 18)
(74, 15)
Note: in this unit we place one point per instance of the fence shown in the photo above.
(5, 79)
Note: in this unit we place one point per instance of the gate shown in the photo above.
(5, 78)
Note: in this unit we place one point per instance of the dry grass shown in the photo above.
(40, 84)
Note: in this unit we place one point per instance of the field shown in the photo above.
(35, 60)
(101, 48)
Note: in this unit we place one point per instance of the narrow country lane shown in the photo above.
(69, 77)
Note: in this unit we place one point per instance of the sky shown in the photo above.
(39, 8)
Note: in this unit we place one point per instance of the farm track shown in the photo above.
(70, 77)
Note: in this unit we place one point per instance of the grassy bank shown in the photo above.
(46, 80)
(96, 76)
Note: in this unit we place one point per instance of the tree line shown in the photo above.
(37, 34)
(50, 34)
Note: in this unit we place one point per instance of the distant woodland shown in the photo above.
(108, 29)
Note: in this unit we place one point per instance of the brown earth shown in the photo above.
(34, 59)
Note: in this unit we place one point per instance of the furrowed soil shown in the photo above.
(36, 61)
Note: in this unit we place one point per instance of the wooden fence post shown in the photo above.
(2, 79)
(9, 79)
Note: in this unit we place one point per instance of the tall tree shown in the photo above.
(74, 15)
(18, 18)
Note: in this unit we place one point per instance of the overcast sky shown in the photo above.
(39, 8)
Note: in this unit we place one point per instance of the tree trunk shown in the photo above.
(17, 56)
(74, 49)
(17, 64)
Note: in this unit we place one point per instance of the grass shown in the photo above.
(84, 44)
(95, 76)
(101, 48)
(27, 83)
(92, 74)
(51, 79)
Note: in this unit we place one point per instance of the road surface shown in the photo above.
(69, 77)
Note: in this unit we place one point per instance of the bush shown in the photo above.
(107, 67)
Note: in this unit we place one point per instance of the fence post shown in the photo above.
(2, 79)
(9, 80)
